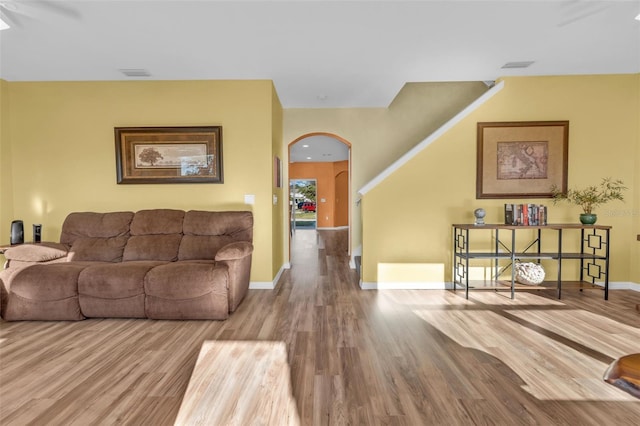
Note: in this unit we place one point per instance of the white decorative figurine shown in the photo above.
(479, 214)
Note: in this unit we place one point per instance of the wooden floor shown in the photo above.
(357, 357)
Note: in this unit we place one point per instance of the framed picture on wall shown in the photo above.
(169, 154)
(521, 159)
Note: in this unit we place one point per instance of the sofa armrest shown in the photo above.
(234, 251)
(40, 252)
(237, 257)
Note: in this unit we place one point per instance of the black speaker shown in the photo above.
(37, 232)
(17, 232)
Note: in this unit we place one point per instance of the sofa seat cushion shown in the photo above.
(187, 290)
(46, 292)
(6, 276)
(114, 290)
(115, 281)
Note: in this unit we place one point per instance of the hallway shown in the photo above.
(307, 244)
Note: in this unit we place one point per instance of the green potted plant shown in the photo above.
(591, 197)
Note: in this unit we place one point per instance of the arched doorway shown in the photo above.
(326, 159)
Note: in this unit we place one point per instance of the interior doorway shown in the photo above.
(342, 199)
(303, 202)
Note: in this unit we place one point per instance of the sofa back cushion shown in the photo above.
(155, 235)
(159, 234)
(96, 236)
(206, 232)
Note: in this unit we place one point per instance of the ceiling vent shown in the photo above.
(135, 72)
(522, 64)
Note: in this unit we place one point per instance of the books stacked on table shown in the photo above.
(525, 214)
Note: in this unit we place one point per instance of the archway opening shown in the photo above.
(326, 159)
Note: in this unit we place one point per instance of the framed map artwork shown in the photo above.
(521, 159)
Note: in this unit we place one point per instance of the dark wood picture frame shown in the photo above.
(522, 159)
(169, 154)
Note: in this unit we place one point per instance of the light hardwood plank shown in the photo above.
(242, 383)
(404, 357)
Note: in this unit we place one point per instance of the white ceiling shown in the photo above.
(318, 53)
(318, 148)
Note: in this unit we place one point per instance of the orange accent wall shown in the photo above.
(325, 175)
(341, 216)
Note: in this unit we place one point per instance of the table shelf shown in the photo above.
(521, 255)
(593, 256)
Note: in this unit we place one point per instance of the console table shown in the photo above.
(507, 247)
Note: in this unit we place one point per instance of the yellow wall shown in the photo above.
(57, 155)
(6, 210)
(280, 194)
(408, 217)
(635, 248)
(63, 157)
(379, 136)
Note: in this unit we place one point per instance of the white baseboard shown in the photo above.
(373, 285)
(261, 285)
(404, 285)
(411, 286)
(269, 285)
(623, 285)
(368, 285)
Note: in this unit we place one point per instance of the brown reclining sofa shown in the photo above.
(160, 264)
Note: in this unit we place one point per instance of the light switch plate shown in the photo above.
(249, 199)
